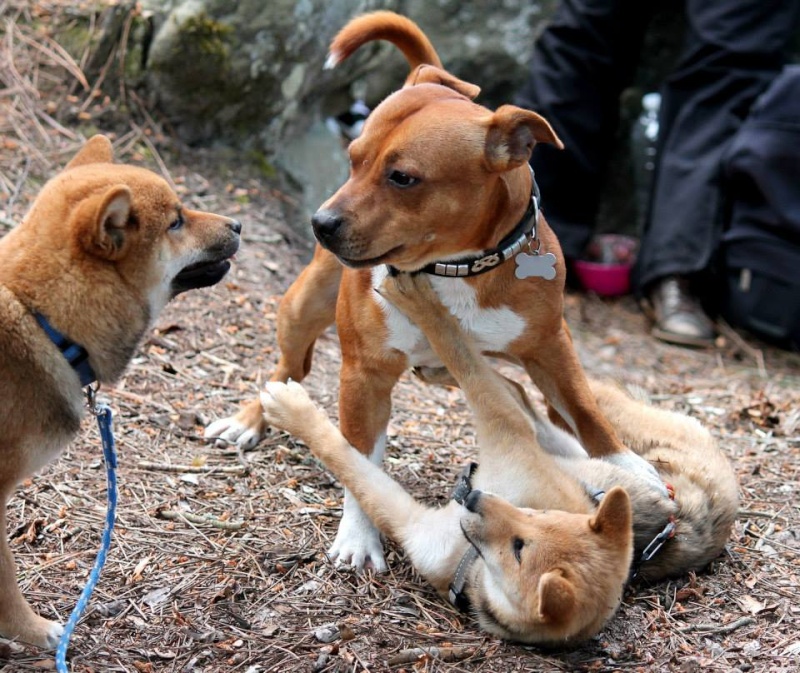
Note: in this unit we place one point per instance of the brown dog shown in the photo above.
(100, 253)
(439, 184)
(554, 573)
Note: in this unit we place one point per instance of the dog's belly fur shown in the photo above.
(493, 329)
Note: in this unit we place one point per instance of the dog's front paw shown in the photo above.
(411, 293)
(37, 631)
(634, 463)
(358, 543)
(287, 406)
(244, 429)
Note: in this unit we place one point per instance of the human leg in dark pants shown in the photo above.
(733, 50)
(581, 63)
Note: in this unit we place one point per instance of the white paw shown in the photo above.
(53, 635)
(38, 631)
(230, 431)
(287, 406)
(639, 466)
(358, 543)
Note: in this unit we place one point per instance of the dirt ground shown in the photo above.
(218, 563)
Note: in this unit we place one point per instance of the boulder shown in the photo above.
(251, 72)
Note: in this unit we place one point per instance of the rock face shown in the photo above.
(250, 72)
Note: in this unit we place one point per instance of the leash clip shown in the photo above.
(658, 541)
(91, 397)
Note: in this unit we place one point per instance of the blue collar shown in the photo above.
(76, 355)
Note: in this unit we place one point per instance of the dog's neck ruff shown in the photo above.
(522, 235)
(456, 591)
(75, 354)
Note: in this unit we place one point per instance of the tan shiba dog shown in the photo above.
(442, 185)
(82, 278)
(549, 562)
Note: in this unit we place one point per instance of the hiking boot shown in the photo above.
(677, 316)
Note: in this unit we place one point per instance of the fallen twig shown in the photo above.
(196, 469)
(415, 654)
(719, 628)
(201, 519)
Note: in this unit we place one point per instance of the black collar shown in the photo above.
(75, 354)
(522, 234)
(456, 594)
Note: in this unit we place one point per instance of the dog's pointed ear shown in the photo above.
(430, 74)
(556, 598)
(96, 150)
(112, 218)
(613, 516)
(512, 133)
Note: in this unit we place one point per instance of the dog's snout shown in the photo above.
(326, 223)
(236, 226)
(472, 500)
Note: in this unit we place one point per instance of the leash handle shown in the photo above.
(104, 423)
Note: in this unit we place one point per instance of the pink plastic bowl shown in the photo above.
(607, 280)
(606, 267)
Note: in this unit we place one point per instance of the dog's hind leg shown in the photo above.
(642, 426)
(17, 618)
(307, 309)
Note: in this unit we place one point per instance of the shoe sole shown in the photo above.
(672, 337)
(680, 339)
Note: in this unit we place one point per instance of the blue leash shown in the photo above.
(104, 418)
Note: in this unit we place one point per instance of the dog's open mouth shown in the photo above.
(201, 274)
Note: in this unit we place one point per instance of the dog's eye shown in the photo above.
(177, 223)
(402, 180)
(518, 544)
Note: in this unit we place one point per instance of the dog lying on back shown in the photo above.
(441, 185)
(554, 532)
(102, 250)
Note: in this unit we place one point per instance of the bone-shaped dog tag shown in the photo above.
(535, 266)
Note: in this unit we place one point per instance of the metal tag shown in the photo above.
(534, 265)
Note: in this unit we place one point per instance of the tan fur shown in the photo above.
(574, 557)
(474, 187)
(96, 256)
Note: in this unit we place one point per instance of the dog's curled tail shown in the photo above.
(403, 33)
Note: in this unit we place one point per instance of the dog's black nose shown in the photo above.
(236, 226)
(326, 223)
(472, 501)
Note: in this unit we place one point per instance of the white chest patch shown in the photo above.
(492, 328)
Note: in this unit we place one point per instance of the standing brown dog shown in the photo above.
(442, 185)
(82, 278)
